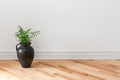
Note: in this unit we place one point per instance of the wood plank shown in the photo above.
(61, 70)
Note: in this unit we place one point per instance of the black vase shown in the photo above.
(25, 54)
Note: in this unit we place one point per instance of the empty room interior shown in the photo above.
(59, 39)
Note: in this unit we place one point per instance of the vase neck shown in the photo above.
(28, 44)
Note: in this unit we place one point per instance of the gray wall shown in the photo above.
(67, 26)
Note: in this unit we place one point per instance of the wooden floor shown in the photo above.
(61, 70)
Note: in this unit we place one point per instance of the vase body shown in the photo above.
(25, 54)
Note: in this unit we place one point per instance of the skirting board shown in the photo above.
(64, 55)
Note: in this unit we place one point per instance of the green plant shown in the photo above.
(25, 36)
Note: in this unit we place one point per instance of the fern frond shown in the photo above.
(25, 36)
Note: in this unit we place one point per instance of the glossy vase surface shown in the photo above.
(25, 54)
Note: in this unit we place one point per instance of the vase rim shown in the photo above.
(27, 44)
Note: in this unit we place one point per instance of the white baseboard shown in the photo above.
(65, 55)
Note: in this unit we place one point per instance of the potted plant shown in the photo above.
(25, 51)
